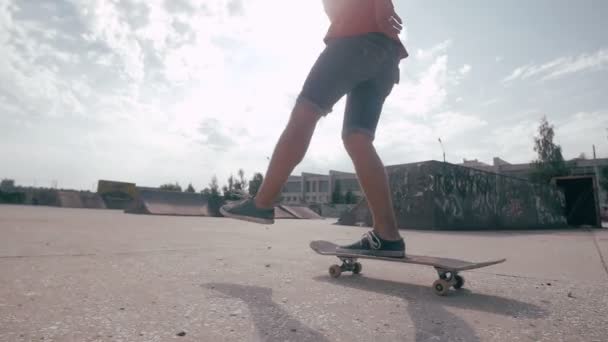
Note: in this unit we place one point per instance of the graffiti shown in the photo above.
(406, 192)
(546, 216)
(450, 207)
(514, 209)
(433, 193)
(473, 189)
(462, 183)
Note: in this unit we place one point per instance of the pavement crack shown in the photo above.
(599, 252)
(513, 276)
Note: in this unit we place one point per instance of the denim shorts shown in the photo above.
(363, 67)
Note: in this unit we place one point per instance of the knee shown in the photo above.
(357, 142)
(304, 115)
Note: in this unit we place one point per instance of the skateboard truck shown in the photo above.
(446, 280)
(348, 265)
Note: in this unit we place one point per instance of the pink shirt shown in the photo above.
(355, 17)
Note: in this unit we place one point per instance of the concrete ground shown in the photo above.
(101, 275)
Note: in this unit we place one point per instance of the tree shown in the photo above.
(550, 162)
(241, 183)
(604, 179)
(350, 197)
(214, 200)
(171, 187)
(255, 183)
(236, 187)
(230, 193)
(190, 188)
(336, 195)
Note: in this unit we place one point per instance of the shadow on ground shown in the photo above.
(272, 322)
(428, 311)
(501, 232)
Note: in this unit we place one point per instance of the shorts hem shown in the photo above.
(349, 131)
(320, 110)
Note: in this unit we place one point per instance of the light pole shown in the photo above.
(442, 149)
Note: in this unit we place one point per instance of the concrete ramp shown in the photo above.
(157, 202)
(69, 199)
(280, 213)
(76, 199)
(299, 212)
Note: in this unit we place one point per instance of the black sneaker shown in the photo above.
(246, 210)
(372, 244)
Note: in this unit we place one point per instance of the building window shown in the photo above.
(351, 184)
(323, 186)
(292, 187)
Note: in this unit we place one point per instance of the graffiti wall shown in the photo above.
(435, 195)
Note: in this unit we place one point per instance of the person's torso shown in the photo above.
(356, 17)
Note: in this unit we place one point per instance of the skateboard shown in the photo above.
(446, 268)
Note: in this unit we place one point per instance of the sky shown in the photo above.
(157, 91)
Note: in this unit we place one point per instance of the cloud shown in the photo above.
(465, 69)
(512, 142)
(452, 124)
(561, 67)
(580, 131)
(426, 91)
(421, 94)
(205, 85)
(438, 49)
(410, 140)
(417, 112)
(235, 7)
(215, 136)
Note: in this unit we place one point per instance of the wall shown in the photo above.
(435, 195)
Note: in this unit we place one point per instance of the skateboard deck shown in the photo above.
(446, 268)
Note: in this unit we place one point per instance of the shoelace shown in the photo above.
(373, 240)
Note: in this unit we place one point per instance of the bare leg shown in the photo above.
(374, 181)
(288, 153)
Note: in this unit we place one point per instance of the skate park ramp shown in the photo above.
(296, 212)
(280, 213)
(76, 199)
(158, 202)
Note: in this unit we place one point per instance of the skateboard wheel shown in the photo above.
(357, 267)
(458, 282)
(335, 271)
(441, 287)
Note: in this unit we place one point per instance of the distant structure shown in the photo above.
(313, 188)
(117, 195)
(13, 194)
(438, 195)
(579, 167)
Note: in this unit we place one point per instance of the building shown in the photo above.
(579, 168)
(312, 188)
